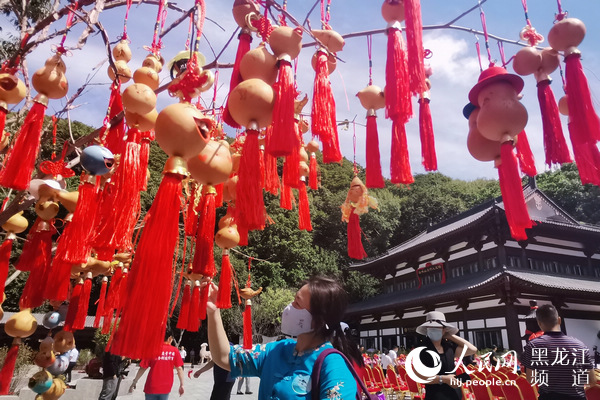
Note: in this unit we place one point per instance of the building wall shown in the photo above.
(585, 330)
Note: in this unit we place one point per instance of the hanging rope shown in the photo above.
(485, 33)
(529, 33)
(325, 14)
(158, 25)
(124, 36)
(355, 168)
(61, 47)
(369, 52)
(478, 49)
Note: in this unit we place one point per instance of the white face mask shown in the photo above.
(435, 334)
(295, 321)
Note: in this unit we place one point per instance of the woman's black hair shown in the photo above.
(328, 302)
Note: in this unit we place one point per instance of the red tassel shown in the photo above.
(112, 296)
(35, 251)
(283, 141)
(374, 176)
(304, 223)
(116, 133)
(219, 195)
(33, 293)
(414, 40)
(525, 156)
(73, 306)
(261, 165)
(579, 100)
(512, 193)
(101, 301)
(243, 231)
(193, 323)
(399, 163)
(250, 204)
(5, 250)
(271, 177)
(285, 200)
(247, 344)
(313, 180)
(83, 304)
(291, 171)
(8, 368)
(184, 310)
(143, 320)
(428, 156)
(147, 138)
(203, 302)
(245, 39)
(204, 260)
(107, 321)
(398, 104)
(355, 247)
(555, 145)
(115, 229)
(78, 235)
(324, 124)
(225, 280)
(20, 160)
(3, 112)
(191, 218)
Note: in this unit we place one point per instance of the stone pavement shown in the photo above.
(198, 389)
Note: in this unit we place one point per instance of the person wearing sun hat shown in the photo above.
(440, 337)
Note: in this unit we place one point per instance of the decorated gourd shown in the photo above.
(21, 324)
(227, 237)
(17, 223)
(371, 98)
(147, 76)
(331, 62)
(182, 130)
(259, 63)
(97, 160)
(213, 165)
(252, 102)
(143, 122)
(50, 80)
(122, 52)
(566, 34)
(312, 146)
(123, 71)
(242, 9)
(392, 11)
(40, 382)
(286, 40)
(527, 61)
(332, 40)
(12, 90)
(63, 342)
(46, 210)
(481, 149)
(139, 98)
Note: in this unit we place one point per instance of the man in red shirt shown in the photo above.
(160, 378)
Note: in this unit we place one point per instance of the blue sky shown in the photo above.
(454, 63)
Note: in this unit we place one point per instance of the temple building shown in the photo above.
(471, 269)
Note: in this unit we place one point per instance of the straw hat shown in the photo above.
(435, 319)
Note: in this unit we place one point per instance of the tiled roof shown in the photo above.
(556, 282)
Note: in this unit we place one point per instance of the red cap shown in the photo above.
(493, 75)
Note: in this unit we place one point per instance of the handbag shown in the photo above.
(316, 375)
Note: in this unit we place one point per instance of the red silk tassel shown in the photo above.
(112, 296)
(83, 304)
(414, 40)
(115, 229)
(291, 171)
(101, 302)
(141, 329)
(304, 223)
(261, 165)
(247, 344)
(399, 163)
(398, 104)
(3, 112)
(225, 280)
(116, 133)
(191, 217)
(204, 260)
(250, 204)
(78, 234)
(147, 138)
(184, 310)
(8, 368)
(107, 321)
(313, 174)
(428, 156)
(323, 116)
(33, 293)
(32, 256)
(203, 302)
(525, 156)
(374, 176)
(5, 251)
(555, 145)
(245, 38)
(282, 140)
(73, 306)
(243, 231)
(193, 322)
(219, 195)
(271, 177)
(579, 100)
(20, 160)
(355, 246)
(512, 193)
(285, 200)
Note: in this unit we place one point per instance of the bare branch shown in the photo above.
(475, 7)
(177, 22)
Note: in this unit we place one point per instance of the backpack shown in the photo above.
(316, 375)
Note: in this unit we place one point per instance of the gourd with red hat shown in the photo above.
(357, 203)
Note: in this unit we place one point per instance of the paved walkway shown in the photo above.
(198, 389)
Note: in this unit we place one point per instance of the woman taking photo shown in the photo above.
(440, 337)
(285, 366)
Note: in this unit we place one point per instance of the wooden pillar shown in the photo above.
(512, 328)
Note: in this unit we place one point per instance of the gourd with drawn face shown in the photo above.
(50, 80)
(12, 90)
(213, 165)
(501, 113)
(63, 342)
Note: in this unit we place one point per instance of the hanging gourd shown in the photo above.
(357, 203)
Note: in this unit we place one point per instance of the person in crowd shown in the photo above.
(110, 375)
(241, 381)
(193, 357)
(386, 361)
(494, 358)
(562, 380)
(73, 356)
(354, 354)
(440, 337)
(285, 366)
(223, 383)
(393, 353)
(183, 354)
(160, 378)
